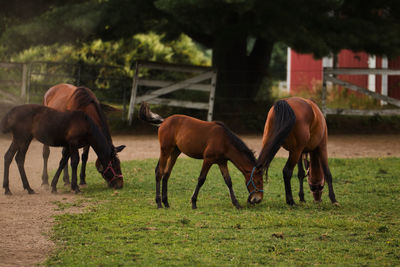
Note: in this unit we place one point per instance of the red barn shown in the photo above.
(305, 72)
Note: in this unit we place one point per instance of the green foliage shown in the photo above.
(121, 52)
(105, 65)
(124, 228)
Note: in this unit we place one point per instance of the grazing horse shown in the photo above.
(64, 97)
(211, 141)
(298, 125)
(71, 130)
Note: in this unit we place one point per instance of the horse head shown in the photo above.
(316, 182)
(254, 184)
(111, 171)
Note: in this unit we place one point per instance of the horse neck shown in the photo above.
(241, 161)
(99, 143)
(101, 121)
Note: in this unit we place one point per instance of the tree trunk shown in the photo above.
(240, 73)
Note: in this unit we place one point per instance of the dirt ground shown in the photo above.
(26, 220)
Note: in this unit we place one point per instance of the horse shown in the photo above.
(70, 130)
(211, 141)
(64, 97)
(298, 125)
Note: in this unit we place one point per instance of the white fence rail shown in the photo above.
(329, 75)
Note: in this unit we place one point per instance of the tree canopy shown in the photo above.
(241, 33)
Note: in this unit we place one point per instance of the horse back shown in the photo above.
(59, 96)
(64, 97)
(310, 128)
(192, 136)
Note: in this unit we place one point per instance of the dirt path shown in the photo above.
(26, 220)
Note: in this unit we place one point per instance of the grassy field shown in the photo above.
(125, 228)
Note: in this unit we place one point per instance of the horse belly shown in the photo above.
(191, 148)
(51, 140)
(49, 134)
(193, 155)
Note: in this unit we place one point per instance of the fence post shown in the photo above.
(133, 94)
(323, 96)
(23, 81)
(212, 96)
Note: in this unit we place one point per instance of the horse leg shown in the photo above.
(328, 175)
(45, 175)
(66, 175)
(287, 174)
(63, 162)
(8, 157)
(301, 174)
(225, 173)
(170, 164)
(20, 159)
(85, 156)
(74, 167)
(158, 179)
(202, 178)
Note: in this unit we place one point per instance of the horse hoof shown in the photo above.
(76, 191)
(54, 191)
(31, 192)
(8, 193)
(83, 185)
(238, 207)
(317, 201)
(194, 207)
(290, 202)
(336, 204)
(67, 184)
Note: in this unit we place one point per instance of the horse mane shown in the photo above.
(84, 97)
(238, 143)
(96, 132)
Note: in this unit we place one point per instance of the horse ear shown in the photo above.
(119, 148)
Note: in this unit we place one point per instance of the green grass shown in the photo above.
(127, 229)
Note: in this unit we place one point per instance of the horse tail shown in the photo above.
(5, 125)
(107, 108)
(284, 122)
(146, 115)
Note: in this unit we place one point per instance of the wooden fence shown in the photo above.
(19, 80)
(196, 83)
(329, 75)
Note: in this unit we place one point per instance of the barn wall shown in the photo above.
(394, 81)
(305, 72)
(349, 59)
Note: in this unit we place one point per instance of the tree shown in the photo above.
(241, 33)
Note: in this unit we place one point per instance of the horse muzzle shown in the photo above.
(255, 198)
(117, 183)
(317, 192)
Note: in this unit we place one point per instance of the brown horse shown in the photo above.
(71, 130)
(211, 141)
(64, 97)
(298, 125)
